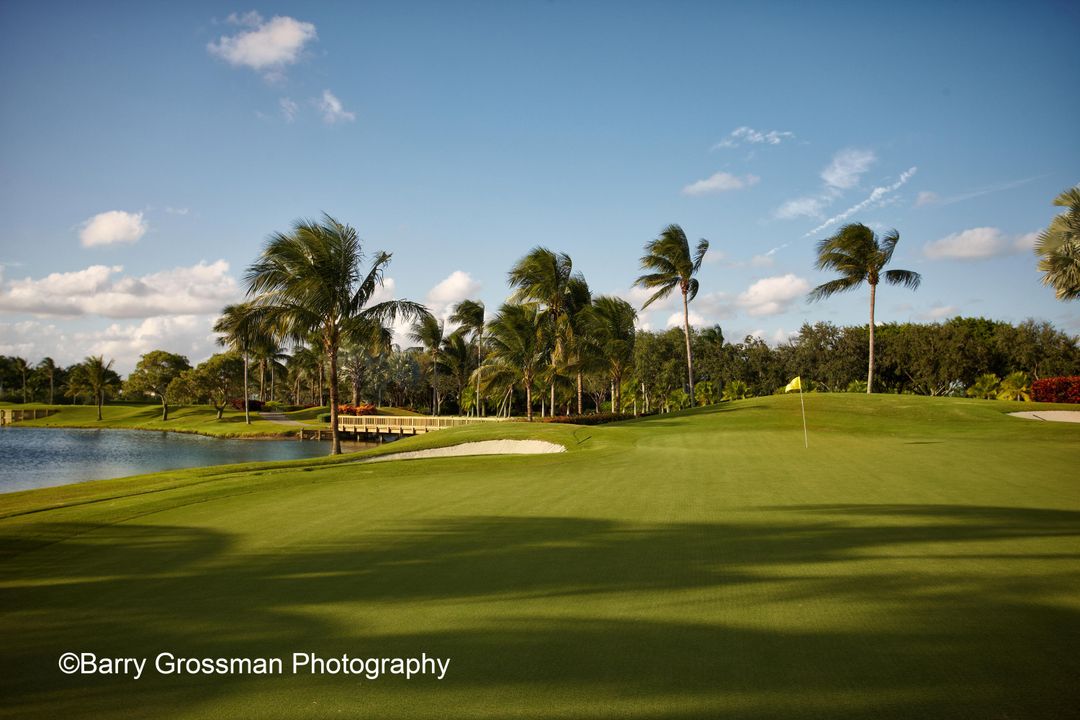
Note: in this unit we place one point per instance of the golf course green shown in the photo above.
(921, 559)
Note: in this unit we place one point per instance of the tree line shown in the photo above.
(309, 333)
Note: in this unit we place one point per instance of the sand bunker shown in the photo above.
(1051, 415)
(485, 447)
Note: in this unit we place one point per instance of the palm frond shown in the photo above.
(907, 278)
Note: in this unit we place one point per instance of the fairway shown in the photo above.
(920, 559)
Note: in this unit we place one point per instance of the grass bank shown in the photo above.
(920, 559)
(201, 419)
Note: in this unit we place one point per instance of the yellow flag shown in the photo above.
(795, 384)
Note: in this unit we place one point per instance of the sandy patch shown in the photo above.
(1051, 415)
(485, 447)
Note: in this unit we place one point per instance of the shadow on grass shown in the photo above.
(991, 639)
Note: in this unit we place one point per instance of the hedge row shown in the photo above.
(253, 405)
(1056, 389)
(595, 419)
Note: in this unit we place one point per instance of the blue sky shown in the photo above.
(147, 150)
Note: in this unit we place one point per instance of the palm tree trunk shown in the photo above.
(870, 371)
(553, 394)
(100, 397)
(262, 379)
(580, 410)
(335, 448)
(689, 357)
(247, 415)
(528, 399)
(479, 362)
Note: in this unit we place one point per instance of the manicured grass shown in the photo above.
(920, 559)
(200, 419)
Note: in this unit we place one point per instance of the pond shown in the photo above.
(44, 457)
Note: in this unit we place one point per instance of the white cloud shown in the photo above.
(332, 109)
(112, 227)
(847, 167)
(288, 108)
(878, 195)
(720, 182)
(177, 211)
(100, 290)
(926, 198)
(801, 207)
(1026, 242)
(772, 295)
(760, 261)
(267, 47)
(980, 242)
(750, 136)
(456, 287)
(676, 320)
(190, 335)
(248, 19)
(939, 311)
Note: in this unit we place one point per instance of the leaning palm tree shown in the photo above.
(859, 255)
(469, 316)
(428, 331)
(1058, 248)
(309, 281)
(672, 266)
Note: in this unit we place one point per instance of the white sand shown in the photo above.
(485, 447)
(1051, 415)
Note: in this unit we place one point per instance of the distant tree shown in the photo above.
(860, 256)
(428, 331)
(1058, 248)
(468, 315)
(96, 378)
(736, 390)
(985, 387)
(152, 375)
(610, 322)
(22, 370)
(546, 277)
(215, 380)
(518, 349)
(1015, 386)
(48, 370)
(242, 329)
(672, 265)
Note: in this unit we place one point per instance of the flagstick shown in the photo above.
(805, 439)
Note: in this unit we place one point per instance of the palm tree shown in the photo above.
(469, 316)
(986, 387)
(610, 321)
(241, 330)
(310, 281)
(859, 255)
(99, 378)
(428, 331)
(672, 266)
(519, 348)
(47, 367)
(1015, 386)
(1058, 248)
(23, 368)
(548, 278)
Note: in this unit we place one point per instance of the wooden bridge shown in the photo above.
(400, 425)
(11, 415)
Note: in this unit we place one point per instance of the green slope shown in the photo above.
(920, 559)
(201, 419)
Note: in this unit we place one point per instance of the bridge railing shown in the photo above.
(407, 423)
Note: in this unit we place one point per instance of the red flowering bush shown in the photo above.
(1056, 389)
(595, 419)
(361, 409)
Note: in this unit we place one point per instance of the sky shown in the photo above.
(148, 149)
